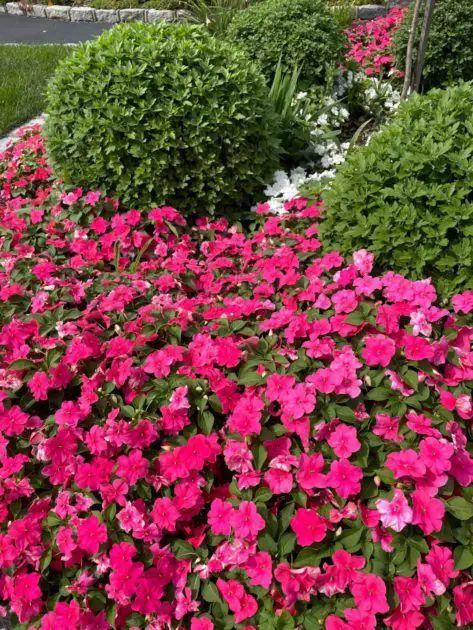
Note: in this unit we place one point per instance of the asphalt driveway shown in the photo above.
(18, 29)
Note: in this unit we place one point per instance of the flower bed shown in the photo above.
(372, 43)
(203, 428)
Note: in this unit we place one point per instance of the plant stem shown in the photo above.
(410, 48)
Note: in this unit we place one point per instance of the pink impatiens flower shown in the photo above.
(308, 526)
(219, 517)
(91, 534)
(409, 593)
(395, 514)
(246, 521)
(428, 512)
(344, 478)
(369, 593)
(378, 350)
(309, 474)
(344, 441)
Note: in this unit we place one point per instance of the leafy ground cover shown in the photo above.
(25, 71)
(207, 428)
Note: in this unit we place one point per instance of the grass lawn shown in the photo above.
(24, 73)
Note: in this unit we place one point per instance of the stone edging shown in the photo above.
(89, 14)
(111, 16)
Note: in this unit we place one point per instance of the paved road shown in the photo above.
(17, 29)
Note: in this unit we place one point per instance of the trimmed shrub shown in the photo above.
(163, 114)
(449, 54)
(408, 196)
(298, 31)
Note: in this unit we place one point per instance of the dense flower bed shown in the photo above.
(372, 42)
(201, 428)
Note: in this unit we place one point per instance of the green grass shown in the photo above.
(24, 74)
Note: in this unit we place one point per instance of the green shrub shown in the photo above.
(163, 114)
(449, 54)
(408, 196)
(301, 31)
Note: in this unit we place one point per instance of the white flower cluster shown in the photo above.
(378, 99)
(284, 188)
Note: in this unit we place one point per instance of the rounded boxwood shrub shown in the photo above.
(298, 31)
(163, 114)
(408, 196)
(449, 54)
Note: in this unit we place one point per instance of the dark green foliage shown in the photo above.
(163, 114)
(301, 31)
(408, 196)
(449, 54)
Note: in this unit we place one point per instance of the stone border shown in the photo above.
(89, 14)
(112, 16)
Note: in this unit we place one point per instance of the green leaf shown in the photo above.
(21, 364)
(463, 558)
(251, 378)
(267, 543)
(311, 556)
(286, 544)
(210, 592)
(379, 394)
(260, 454)
(206, 422)
(263, 494)
(460, 508)
(183, 550)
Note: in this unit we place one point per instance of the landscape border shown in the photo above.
(112, 16)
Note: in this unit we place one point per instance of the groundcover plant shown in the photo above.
(204, 428)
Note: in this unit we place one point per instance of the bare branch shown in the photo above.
(410, 49)
(429, 12)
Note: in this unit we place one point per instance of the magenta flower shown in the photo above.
(395, 514)
(308, 526)
(246, 521)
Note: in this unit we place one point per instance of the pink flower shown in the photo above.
(246, 416)
(405, 620)
(344, 478)
(91, 534)
(463, 599)
(325, 380)
(165, 514)
(39, 386)
(220, 517)
(309, 474)
(344, 441)
(387, 427)
(65, 542)
(463, 302)
(440, 559)
(406, 463)
(417, 348)
(369, 593)
(409, 594)
(201, 623)
(428, 512)
(378, 350)
(260, 569)
(279, 481)
(396, 513)
(132, 467)
(363, 261)
(246, 521)
(308, 526)
(436, 455)
(299, 401)
(428, 581)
